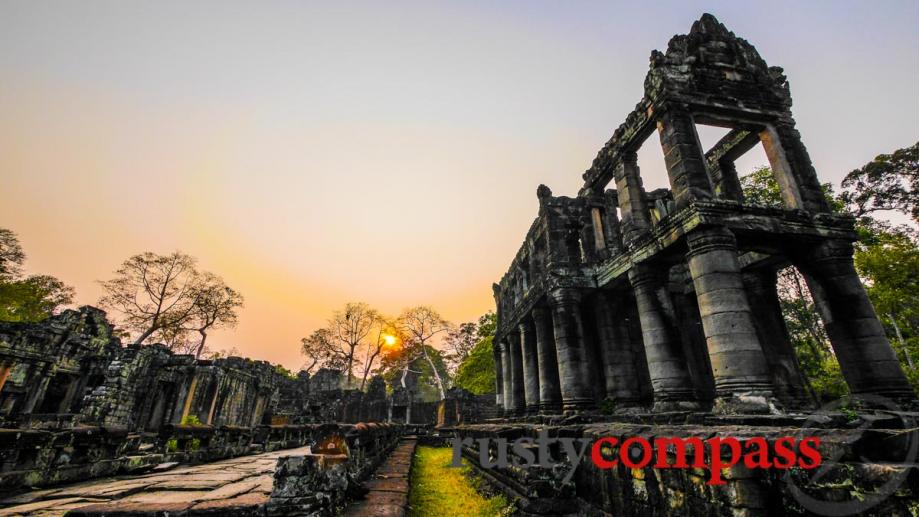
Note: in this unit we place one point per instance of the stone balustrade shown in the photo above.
(320, 483)
(35, 458)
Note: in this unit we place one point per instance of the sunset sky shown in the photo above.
(387, 152)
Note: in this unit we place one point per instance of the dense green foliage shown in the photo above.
(440, 489)
(26, 298)
(476, 373)
(889, 182)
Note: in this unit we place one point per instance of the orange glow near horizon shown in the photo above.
(388, 154)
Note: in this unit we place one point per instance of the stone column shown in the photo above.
(869, 364)
(787, 379)
(506, 376)
(613, 236)
(573, 367)
(550, 395)
(670, 381)
(616, 350)
(189, 397)
(518, 400)
(742, 380)
(36, 389)
(730, 182)
(631, 196)
(792, 167)
(684, 157)
(213, 408)
(530, 367)
(499, 374)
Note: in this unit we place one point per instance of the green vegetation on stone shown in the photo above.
(439, 489)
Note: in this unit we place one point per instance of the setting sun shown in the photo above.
(389, 340)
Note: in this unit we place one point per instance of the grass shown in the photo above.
(442, 490)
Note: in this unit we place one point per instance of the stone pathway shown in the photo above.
(220, 487)
(389, 485)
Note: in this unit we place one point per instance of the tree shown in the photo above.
(889, 262)
(889, 182)
(165, 296)
(459, 343)
(421, 325)
(32, 298)
(351, 326)
(215, 307)
(153, 293)
(321, 350)
(11, 255)
(476, 373)
(387, 336)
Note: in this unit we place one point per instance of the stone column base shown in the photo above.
(669, 406)
(550, 408)
(578, 404)
(749, 403)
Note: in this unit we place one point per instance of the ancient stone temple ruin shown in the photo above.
(669, 297)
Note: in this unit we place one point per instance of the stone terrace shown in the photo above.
(223, 487)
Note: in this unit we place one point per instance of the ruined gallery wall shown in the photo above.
(71, 369)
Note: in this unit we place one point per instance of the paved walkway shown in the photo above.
(389, 485)
(220, 486)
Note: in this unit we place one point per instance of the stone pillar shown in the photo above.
(670, 381)
(729, 185)
(189, 397)
(612, 229)
(742, 380)
(631, 196)
(550, 395)
(573, 366)
(616, 351)
(869, 364)
(518, 406)
(684, 156)
(36, 389)
(530, 367)
(499, 374)
(213, 408)
(787, 379)
(506, 375)
(792, 167)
